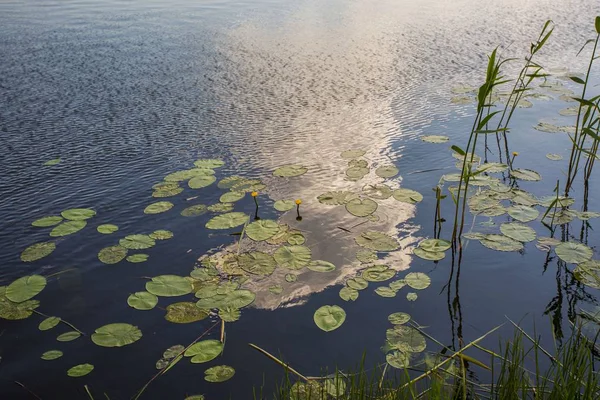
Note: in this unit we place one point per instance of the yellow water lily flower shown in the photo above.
(254, 194)
(298, 202)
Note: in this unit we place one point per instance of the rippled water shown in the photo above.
(126, 92)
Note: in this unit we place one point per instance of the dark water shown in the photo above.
(127, 92)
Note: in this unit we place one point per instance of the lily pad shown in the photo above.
(51, 355)
(406, 338)
(137, 242)
(361, 207)
(142, 300)
(184, 313)
(68, 336)
(329, 318)
(356, 173)
(321, 266)
(201, 181)
(350, 154)
(336, 198)
(161, 235)
(358, 163)
(137, 258)
(573, 253)
(194, 211)
(435, 245)
(67, 228)
(229, 182)
(385, 291)
(262, 229)
(161, 193)
(387, 171)
(296, 239)
(276, 289)
(435, 138)
(173, 351)
(501, 243)
(492, 167)
(517, 231)
(377, 241)
(107, 229)
(231, 197)
(397, 284)
(357, 283)
(169, 286)
(37, 251)
(284, 205)
(554, 157)
(290, 170)
(335, 387)
(229, 314)
(49, 323)
(588, 273)
(379, 192)
(238, 299)
(292, 257)
(399, 318)
(525, 175)
(523, 213)
(417, 280)
(378, 273)
(257, 263)
(116, 335)
(227, 221)
(407, 196)
(348, 294)
(15, 311)
(291, 278)
(429, 255)
(398, 359)
(25, 288)
(204, 351)
(52, 162)
(47, 221)
(158, 207)
(366, 256)
(209, 163)
(186, 174)
(80, 370)
(78, 214)
(219, 373)
(546, 243)
(220, 207)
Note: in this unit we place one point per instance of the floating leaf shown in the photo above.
(492, 167)
(291, 278)
(112, 254)
(25, 288)
(397, 284)
(248, 185)
(405, 338)
(220, 207)
(435, 138)
(161, 193)
(48, 323)
(209, 163)
(68, 336)
(546, 243)
(296, 239)
(169, 286)
(361, 207)
(186, 174)
(161, 235)
(378, 273)
(523, 198)
(204, 351)
(67, 228)
(525, 175)
(78, 214)
(321, 266)
(559, 218)
(377, 241)
(184, 313)
(411, 296)
(407, 196)
(166, 186)
(47, 221)
(573, 253)
(158, 207)
(138, 258)
(347, 294)
(588, 273)
(290, 170)
(554, 157)
(435, 245)
(195, 397)
(387, 171)
(37, 251)
(417, 280)
(50, 163)
(385, 291)
(201, 181)
(292, 257)
(336, 387)
(15, 311)
(586, 215)
(429, 255)
(80, 370)
(329, 318)
(517, 231)
(262, 229)
(461, 100)
(227, 221)
(116, 335)
(379, 192)
(336, 198)
(142, 300)
(284, 205)
(219, 373)
(229, 182)
(173, 351)
(349, 154)
(358, 163)
(194, 211)
(366, 256)
(51, 355)
(229, 314)
(238, 299)
(137, 242)
(276, 289)
(399, 318)
(501, 243)
(215, 301)
(356, 173)
(398, 359)
(107, 229)
(523, 213)
(357, 283)
(257, 263)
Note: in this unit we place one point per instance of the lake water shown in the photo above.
(126, 92)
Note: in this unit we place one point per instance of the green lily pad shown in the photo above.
(170, 192)
(417, 280)
(336, 198)
(49, 323)
(523, 198)
(165, 185)
(378, 273)
(209, 163)
(52, 162)
(554, 157)
(137, 242)
(525, 175)
(435, 245)
(229, 182)
(204, 351)
(407, 196)
(229, 314)
(51, 355)
(186, 174)
(169, 286)
(284, 205)
(329, 318)
(348, 294)
(588, 273)
(290, 170)
(67, 228)
(517, 231)
(257, 263)
(219, 373)
(215, 301)
(492, 167)
(194, 211)
(397, 284)
(411, 296)
(350, 154)
(158, 207)
(356, 173)
(112, 254)
(78, 214)
(207, 291)
(227, 221)
(296, 239)
(379, 192)
(47, 221)
(161, 235)
(546, 243)
(357, 283)
(231, 197)
(107, 229)
(560, 217)
(220, 207)
(276, 289)
(501, 243)
(405, 338)
(398, 359)
(335, 387)
(377, 241)
(366, 256)
(184, 313)
(142, 300)
(37, 251)
(435, 138)
(399, 318)
(68, 336)
(573, 253)
(14, 311)
(137, 258)
(173, 351)
(80, 370)
(262, 229)
(523, 213)
(116, 335)
(201, 181)
(25, 288)
(361, 207)
(291, 278)
(358, 163)
(292, 257)
(428, 255)
(248, 185)
(385, 291)
(387, 171)
(321, 266)
(238, 299)
(195, 397)
(461, 100)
